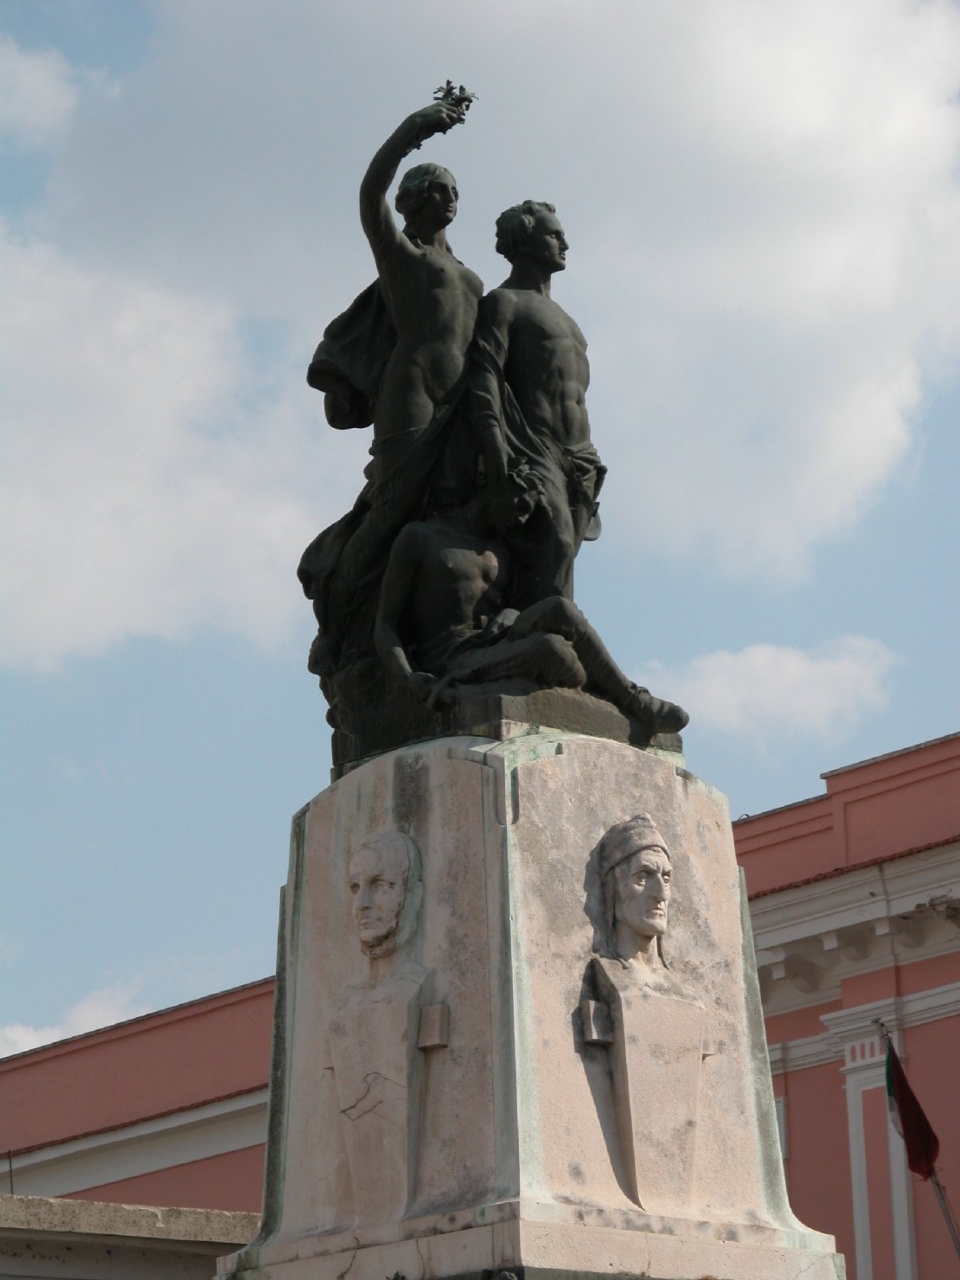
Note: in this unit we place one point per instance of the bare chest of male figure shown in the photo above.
(432, 299)
(462, 584)
(547, 367)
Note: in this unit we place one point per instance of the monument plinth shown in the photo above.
(519, 1028)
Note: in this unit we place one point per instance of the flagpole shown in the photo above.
(925, 1168)
(947, 1212)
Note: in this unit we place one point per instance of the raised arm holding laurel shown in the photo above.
(391, 359)
(430, 296)
(399, 349)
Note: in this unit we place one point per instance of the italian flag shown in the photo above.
(906, 1115)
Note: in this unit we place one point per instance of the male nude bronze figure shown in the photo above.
(528, 396)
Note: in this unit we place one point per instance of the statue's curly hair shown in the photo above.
(515, 224)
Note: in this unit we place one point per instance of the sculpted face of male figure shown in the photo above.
(642, 900)
(637, 877)
(386, 890)
(545, 243)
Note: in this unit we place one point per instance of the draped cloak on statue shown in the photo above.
(412, 474)
(349, 362)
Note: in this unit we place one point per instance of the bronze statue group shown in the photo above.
(454, 568)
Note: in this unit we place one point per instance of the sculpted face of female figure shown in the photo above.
(427, 200)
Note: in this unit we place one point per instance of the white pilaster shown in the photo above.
(865, 1068)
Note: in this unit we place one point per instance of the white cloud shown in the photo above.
(764, 210)
(148, 489)
(766, 689)
(763, 204)
(101, 1008)
(794, 266)
(38, 93)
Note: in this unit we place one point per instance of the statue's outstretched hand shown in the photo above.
(437, 118)
(421, 685)
(502, 623)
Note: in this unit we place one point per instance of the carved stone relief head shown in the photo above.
(383, 876)
(636, 877)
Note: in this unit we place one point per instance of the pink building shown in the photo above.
(855, 900)
(168, 1109)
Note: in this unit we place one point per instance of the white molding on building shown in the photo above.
(851, 1035)
(810, 937)
(858, 1176)
(98, 1159)
(855, 1034)
(852, 1038)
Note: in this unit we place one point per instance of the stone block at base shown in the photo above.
(545, 1242)
(44, 1238)
(491, 1088)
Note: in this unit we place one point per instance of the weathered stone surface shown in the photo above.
(520, 1156)
(50, 1217)
(389, 717)
(550, 1242)
(43, 1238)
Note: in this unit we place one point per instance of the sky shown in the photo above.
(762, 200)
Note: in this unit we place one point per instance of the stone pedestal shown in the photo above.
(490, 1091)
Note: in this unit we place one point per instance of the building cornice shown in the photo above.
(852, 1036)
(181, 1137)
(810, 937)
